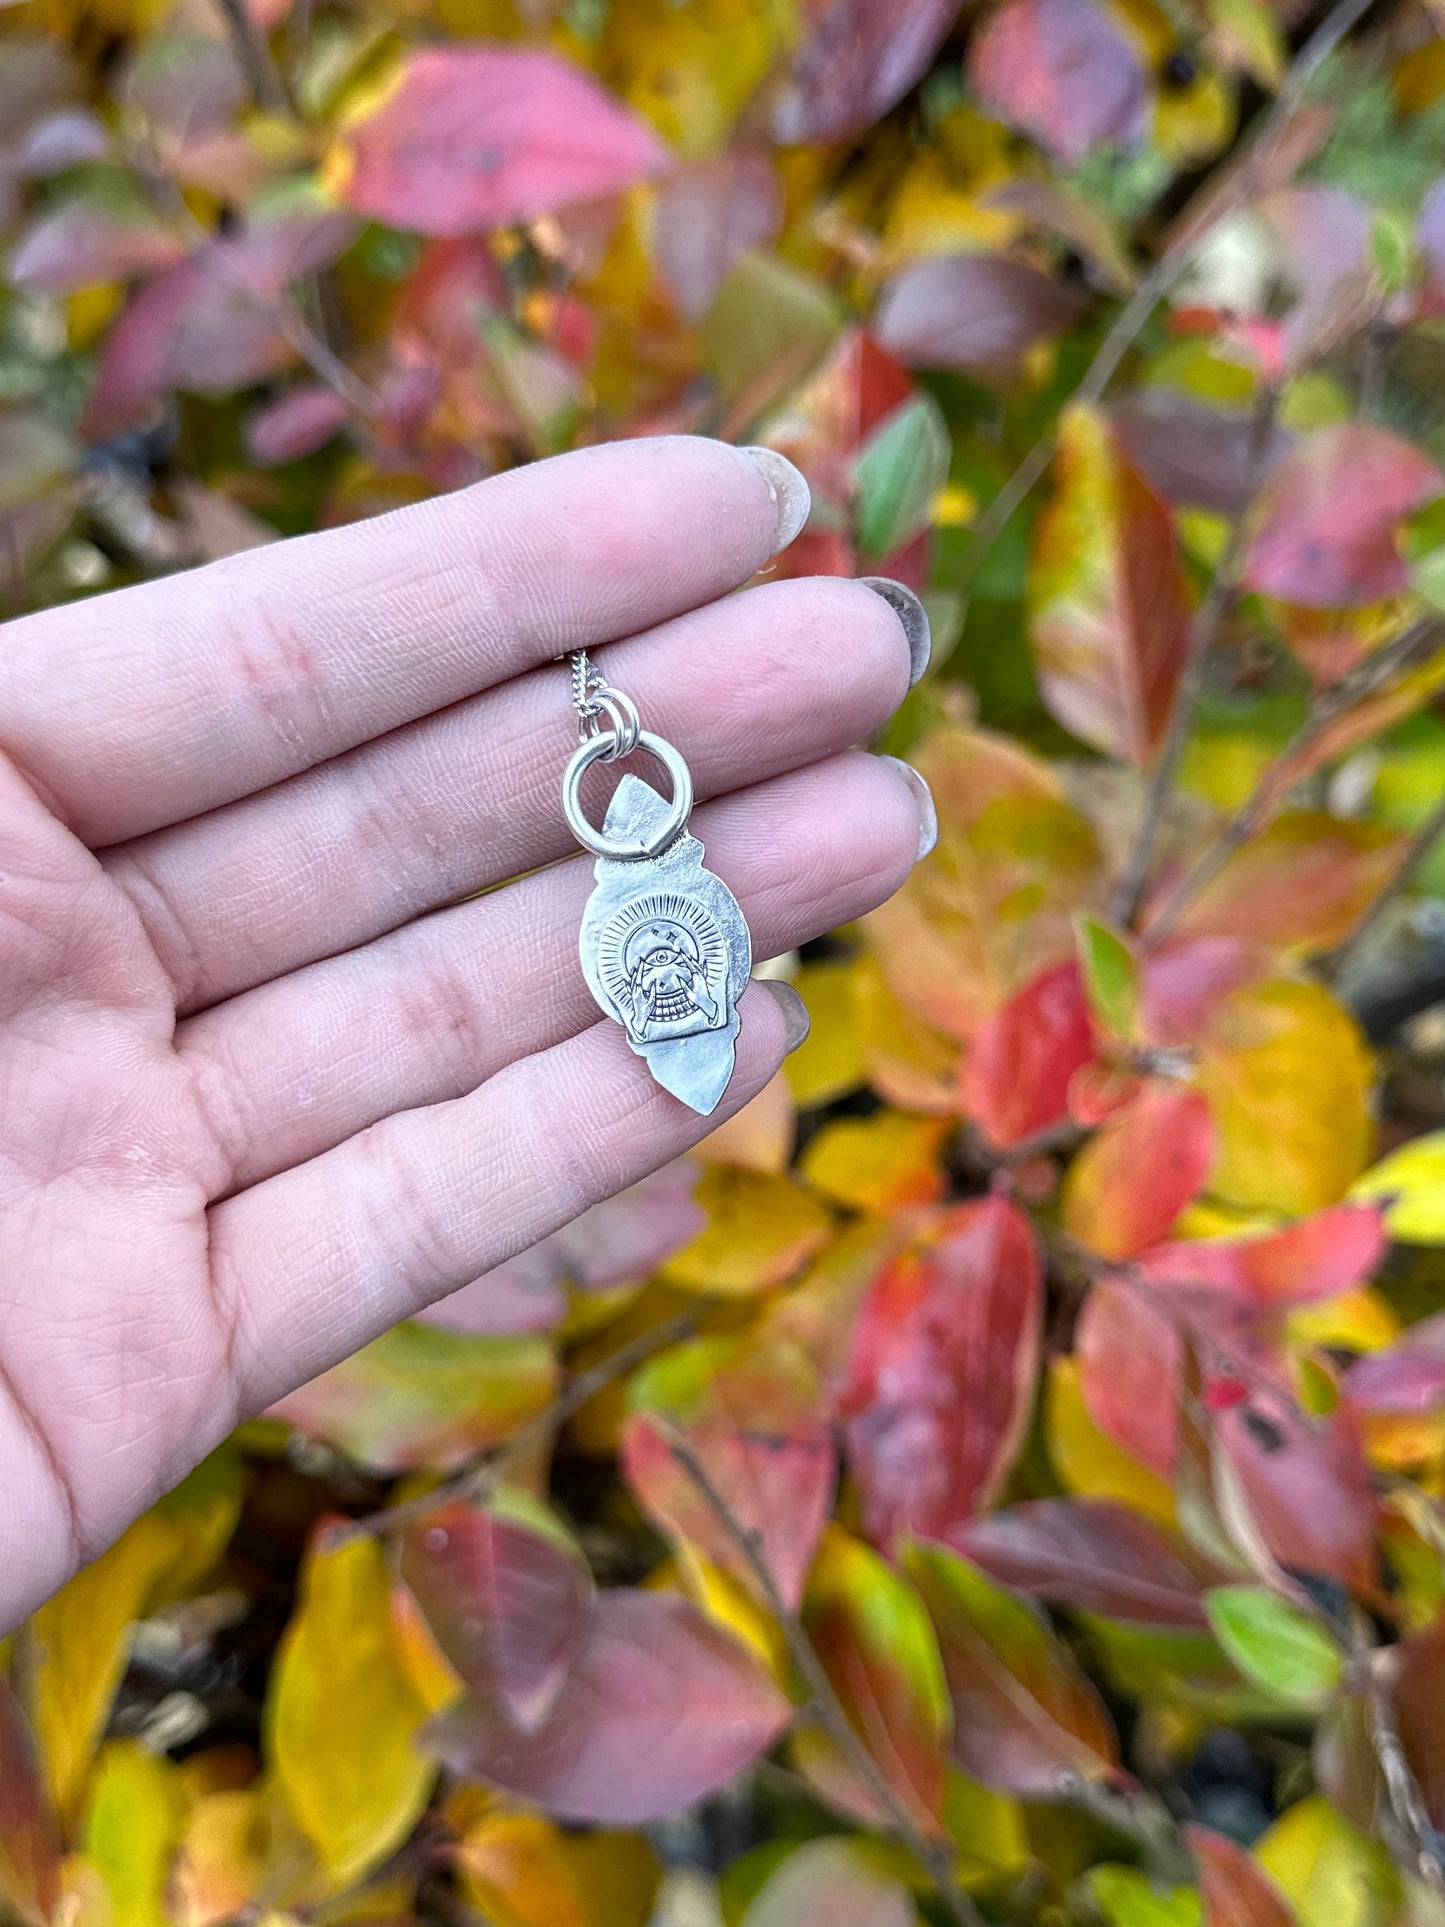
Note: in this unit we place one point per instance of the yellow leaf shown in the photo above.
(519, 1870)
(131, 1829)
(727, 1601)
(1087, 1460)
(1194, 122)
(1412, 1180)
(880, 1163)
(1356, 1321)
(84, 1896)
(222, 1858)
(1331, 1875)
(828, 1063)
(342, 1712)
(689, 70)
(988, 1829)
(436, 1680)
(760, 1136)
(761, 1229)
(907, 1061)
(81, 1642)
(1287, 1075)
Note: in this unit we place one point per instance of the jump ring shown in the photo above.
(622, 716)
(632, 849)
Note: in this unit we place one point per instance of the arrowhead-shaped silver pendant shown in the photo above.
(666, 951)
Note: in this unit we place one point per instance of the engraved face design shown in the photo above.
(663, 961)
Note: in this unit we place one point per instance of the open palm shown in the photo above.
(272, 1073)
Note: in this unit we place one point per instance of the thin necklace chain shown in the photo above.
(600, 707)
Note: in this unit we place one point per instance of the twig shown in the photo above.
(1142, 1819)
(1416, 643)
(476, 1482)
(1170, 267)
(1412, 861)
(262, 73)
(1418, 1840)
(826, 1705)
(1219, 599)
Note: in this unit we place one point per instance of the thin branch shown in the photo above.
(1417, 1841)
(1412, 861)
(1170, 267)
(1409, 649)
(475, 1483)
(263, 76)
(826, 1705)
(1219, 599)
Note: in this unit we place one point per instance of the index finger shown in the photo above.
(152, 704)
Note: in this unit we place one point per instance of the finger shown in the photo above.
(762, 682)
(314, 1263)
(429, 1012)
(183, 694)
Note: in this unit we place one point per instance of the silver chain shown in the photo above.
(602, 710)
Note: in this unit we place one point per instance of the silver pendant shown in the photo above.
(664, 945)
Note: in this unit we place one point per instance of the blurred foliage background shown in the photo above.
(1000, 1476)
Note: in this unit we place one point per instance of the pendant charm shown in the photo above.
(666, 952)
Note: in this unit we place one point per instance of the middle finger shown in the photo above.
(761, 683)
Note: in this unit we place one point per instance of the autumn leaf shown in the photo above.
(760, 1230)
(1330, 1874)
(29, 1831)
(1089, 1554)
(1235, 1888)
(857, 61)
(1316, 1257)
(342, 1715)
(1025, 1717)
(1108, 603)
(1131, 1181)
(878, 1649)
(755, 1414)
(1277, 1645)
(130, 1830)
(831, 1880)
(1329, 515)
(468, 137)
(886, 1162)
(975, 311)
(945, 1357)
(1016, 1078)
(661, 1707)
(506, 1595)
(1062, 71)
(520, 1870)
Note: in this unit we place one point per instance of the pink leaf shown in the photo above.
(508, 1604)
(83, 243)
(1088, 1554)
(1129, 1357)
(707, 217)
(945, 1357)
(860, 60)
(296, 424)
(661, 1706)
(1062, 71)
(972, 311)
(1308, 1488)
(1407, 1378)
(1330, 513)
(1316, 1257)
(475, 137)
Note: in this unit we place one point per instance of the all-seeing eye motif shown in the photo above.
(657, 957)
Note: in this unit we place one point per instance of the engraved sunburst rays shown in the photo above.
(663, 962)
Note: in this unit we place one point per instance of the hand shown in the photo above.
(269, 1083)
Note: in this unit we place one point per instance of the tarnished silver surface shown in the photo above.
(666, 952)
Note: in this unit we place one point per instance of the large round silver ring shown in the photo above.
(626, 849)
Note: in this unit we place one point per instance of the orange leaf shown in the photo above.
(1129, 1183)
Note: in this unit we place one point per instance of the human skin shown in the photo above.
(272, 1075)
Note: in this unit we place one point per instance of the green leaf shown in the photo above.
(897, 473)
(1276, 1645)
(1111, 975)
(1128, 1898)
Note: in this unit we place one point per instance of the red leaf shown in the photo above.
(1128, 1370)
(1316, 1257)
(756, 1418)
(860, 60)
(1308, 1488)
(296, 424)
(945, 1356)
(661, 1706)
(1063, 72)
(1129, 1183)
(1015, 1078)
(1086, 1553)
(706, 218)
(508, 1604)
(1236, 1890)
(30, 1851)
(475, 137)
(1194, 456)
(972, 311)
(1330, 512)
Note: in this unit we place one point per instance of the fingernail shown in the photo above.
(789, 491)
(796, 1021)
(914, 617)
(923, 802)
